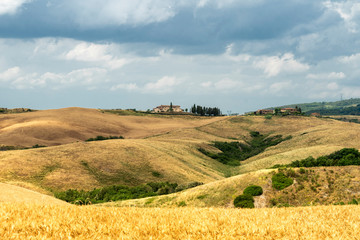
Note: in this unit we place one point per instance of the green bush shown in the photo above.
(234, 152)
(38, 146)
(102, 138)
(253, 190)
(343, 157)
(116, 193)
(280, 181)
(244, 201)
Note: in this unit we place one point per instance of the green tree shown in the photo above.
(171, 107)
(277, 111)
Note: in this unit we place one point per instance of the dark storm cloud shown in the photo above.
(187, 28)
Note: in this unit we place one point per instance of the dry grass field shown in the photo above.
(61, 126)
(321, 186)
(165, 148)
(23, 221)
(95, 164)
(169, 155)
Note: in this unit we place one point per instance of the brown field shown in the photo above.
(19, 221)
(168, 146)
(169, 155)
(95, 164)
(61, 126)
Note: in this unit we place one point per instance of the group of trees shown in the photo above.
(354, 110)
(234, 152)
(102, 138)
(343, 157)
(205, 111)
(120, 192)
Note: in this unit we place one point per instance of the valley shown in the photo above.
(163, 148)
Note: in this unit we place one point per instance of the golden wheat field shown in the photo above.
(70, 222)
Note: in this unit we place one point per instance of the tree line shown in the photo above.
(205, 111)
(354, 110)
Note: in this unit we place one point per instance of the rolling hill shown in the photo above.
(338, 107)
(157, 149)
(68, 125)
(315, 186)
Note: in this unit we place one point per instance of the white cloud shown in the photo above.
(349, 11)
(125, 86)
(90, 52)
(227, 84)
(89, 77)
(206, 84)
(279, 87)
(86, 76)
(10, 74)
(333, 86)
(336, 75)
(275, 65)
(227, 3)
(236, 58)
(164, 85)
(332, 75)
(92, 13)
(351, 92)
(354, 58)
(11, 6)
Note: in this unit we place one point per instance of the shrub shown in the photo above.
(354, 202)
(182, 204)
(156, 174)
(280, 181)
(116, 193)
(38, 146)
(253, 190)
(234, 152)
(102, 138)
(244, 201)
(343, 157)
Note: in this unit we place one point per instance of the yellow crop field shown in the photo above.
(11, 193)
(71, 222)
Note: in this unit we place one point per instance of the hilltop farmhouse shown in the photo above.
(167, 108)
(264, 111)
(279, 110)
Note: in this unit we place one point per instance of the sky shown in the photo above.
(238, 55)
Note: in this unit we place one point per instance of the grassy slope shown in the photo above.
(311, 136)
(174, 153)
(61, 126)
(96, 164)
(15, 194)
(318, 186)
(325, 105)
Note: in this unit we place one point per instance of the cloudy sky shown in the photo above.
(238, 55)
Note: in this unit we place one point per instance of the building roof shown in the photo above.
(164, 106)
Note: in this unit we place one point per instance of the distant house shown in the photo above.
(315, 114)
(264, 111)
(289, 110)
(166, 108)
